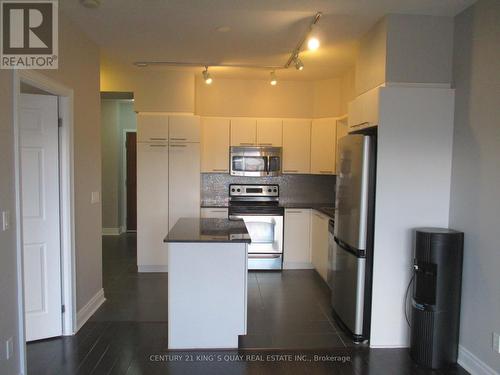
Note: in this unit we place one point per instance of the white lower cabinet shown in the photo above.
(319, 242)
(297, 250)
(152, 206)
(214, 213)
(184, 181)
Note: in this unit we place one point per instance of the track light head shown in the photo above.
(298, 63)
(207, 77)
(274, 79)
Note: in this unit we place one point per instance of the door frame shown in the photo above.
(123, 219)
(67, 213)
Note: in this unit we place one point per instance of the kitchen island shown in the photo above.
(207, 283)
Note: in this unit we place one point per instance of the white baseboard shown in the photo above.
(297, 266)
(111, 231)
(473, 364)
(89, 309)
(151, 268)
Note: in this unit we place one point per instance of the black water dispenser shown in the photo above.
(435, 312)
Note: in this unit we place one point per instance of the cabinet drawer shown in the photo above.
(216, 213)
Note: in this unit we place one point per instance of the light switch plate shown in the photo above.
(95, 197)
(5, 220)
(496, 342)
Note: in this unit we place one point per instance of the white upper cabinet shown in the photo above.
(243, 132)
(296, 146)
(152, 127)
(364, 110)
(270, 132)
(323, 146)
(215, 145)
(184, 128)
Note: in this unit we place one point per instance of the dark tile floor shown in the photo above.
(290, 331)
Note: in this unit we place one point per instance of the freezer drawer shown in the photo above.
(348, 281)
(265, 261)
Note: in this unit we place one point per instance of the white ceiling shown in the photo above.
(262, 32)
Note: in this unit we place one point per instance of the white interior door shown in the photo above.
(40, 214)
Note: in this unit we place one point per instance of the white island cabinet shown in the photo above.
(207, 283)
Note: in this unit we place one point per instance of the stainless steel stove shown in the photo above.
(258, 206)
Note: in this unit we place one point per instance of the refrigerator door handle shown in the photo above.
(356, 252)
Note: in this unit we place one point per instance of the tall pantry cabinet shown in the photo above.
(168, 181)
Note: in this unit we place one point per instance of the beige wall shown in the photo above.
(371, 59)
(8, 256)
(110, 163)
(116, 116)
(154, 90)
(475, 203)
(256, 98)
(79, 69)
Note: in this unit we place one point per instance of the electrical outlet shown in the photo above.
(95, 197)
(9, 348)
(496, 342)
(5, 220)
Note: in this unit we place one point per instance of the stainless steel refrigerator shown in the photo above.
(352, 250)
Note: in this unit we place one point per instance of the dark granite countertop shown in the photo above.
(324, 208)
(208, 230)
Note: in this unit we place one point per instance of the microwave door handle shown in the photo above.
(266, 164)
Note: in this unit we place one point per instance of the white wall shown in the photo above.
(413, 190)
(8, 260)
(475, 192)
(419, 48)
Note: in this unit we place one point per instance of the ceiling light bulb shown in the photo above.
(313, 44)
(274, 80)
(298, 64)
(206, 76)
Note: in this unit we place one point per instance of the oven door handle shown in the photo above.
(264, 256)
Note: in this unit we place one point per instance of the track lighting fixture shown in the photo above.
(207, 77)
(298, 63)
(273, 80)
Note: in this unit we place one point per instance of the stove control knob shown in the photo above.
(233, 190)
(275, 190)
(269, 190)
(238, 190)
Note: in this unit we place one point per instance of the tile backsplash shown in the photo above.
(294, 188)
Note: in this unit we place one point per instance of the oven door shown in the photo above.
(266, 232)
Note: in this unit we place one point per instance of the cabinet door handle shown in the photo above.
(246, 144)
(177, 139)
(290, 171)
(158, 139)
(360, 124)
(218, 211)
(265, 144)
(293, 212)
(157, 145)
(178, 146)
(326, 172)
(219, 170)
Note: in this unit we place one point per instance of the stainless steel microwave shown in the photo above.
(255, 161)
